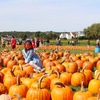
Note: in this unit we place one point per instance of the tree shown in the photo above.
(93, 31)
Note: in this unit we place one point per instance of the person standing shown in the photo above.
(97, 42)
(58, 41)
(40, 41)
(47, 42)
(88, 43)
(33, 44)
(3, 42)
(13, 42)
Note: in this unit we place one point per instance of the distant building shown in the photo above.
(70, 35)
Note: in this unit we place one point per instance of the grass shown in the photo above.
(81, 42)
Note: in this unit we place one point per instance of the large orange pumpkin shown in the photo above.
(38, 93)
(18, 88)
(61, 92)
(82, 95)
(94, 85)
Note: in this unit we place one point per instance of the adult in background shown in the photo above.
(13, 42)
(40, 41)
(47, 42)
(3, 42)
(97, 42)
(58, 41)
(88, 43)
(33, 44)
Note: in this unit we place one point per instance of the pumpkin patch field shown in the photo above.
(66, 75)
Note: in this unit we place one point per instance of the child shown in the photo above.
(31, 57)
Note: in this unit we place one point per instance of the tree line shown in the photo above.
(24, 35)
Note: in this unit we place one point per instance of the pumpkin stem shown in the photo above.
(17, 60)
(84, 68)
(78, 69)
(71, 59)
(66, 56)
(98, 76)
(21, 67)
(18, 79)
(31, 75)
(59, 83)
(12, 57)
(12, 72)
(40, 80)
(58, 75)
(82, 86)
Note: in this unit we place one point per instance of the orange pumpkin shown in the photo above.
(82, 95)
(18, 88)
(94, 85)
(77, 78)
(3, 89)
(61, 92)
(38, 93)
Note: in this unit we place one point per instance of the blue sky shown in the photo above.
(48, 15)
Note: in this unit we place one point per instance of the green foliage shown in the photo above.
(38, 34)
(93, 32)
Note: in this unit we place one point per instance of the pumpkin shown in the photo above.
(28, 69)
(1, 62)
(10, 80)
(38, 93)
(54, 80)
(79, 62)
(77, 78)
(3, 89)
(96, 74)
(1, 76)
(89, 65)
(95, 98)
(61, 68)
(98, 63)
(94, 85)
(45, 82)
(18, 88)
(28, 81)
(72, 66)
(61, 92)
(20, 71)
(88, 74)
(18, 97)
(66, 77)
(82, 95)
(49, 63)
(11, 63)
